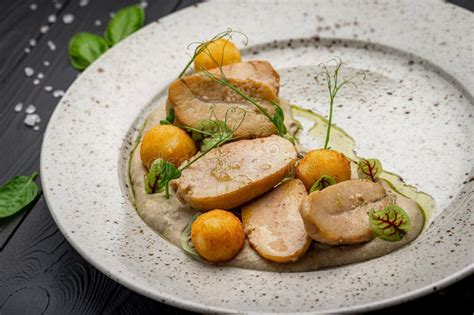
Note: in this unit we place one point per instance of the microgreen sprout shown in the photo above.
(334, 85)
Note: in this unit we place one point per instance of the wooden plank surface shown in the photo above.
(41, 272)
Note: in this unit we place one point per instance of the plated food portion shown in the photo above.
(218, 170)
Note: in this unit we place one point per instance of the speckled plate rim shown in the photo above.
(65, 204)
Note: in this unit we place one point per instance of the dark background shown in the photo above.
(40, 271)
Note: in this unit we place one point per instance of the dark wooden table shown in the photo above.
(40, 271)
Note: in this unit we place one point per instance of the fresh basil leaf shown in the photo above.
(185, 240)
(16, 194)
(322, 183)
(159, 175)
(169, 117)
(389, 224)
(125, 22)
(369, 169)
(85, 48)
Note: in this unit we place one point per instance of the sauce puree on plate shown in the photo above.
(168, 217)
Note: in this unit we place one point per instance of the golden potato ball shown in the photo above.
(168, 142)
(217, 235)
(323, 162)
(222, 51)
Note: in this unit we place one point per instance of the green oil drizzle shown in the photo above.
(341, 141)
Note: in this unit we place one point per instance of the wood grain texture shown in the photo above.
(40, 272)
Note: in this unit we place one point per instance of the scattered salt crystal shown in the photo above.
(44, 28)
(32, 119)
(27, 50)
(30, 109)
(36, 128)
(58, 93)
(52, 18)
(32, 42)
(36, 81)
(83, 3)
(40, 75)
(51, 45)
(33, 6)
(68, 18)
(58, 5)
(112, 14)
(144, 4)
(18, 107)
(97, 22)
(46, 63)
(29, 71)
(48, 88)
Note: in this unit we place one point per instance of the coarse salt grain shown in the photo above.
(29, 71)
(58, 93)
(51, 18)
(18, 107)
(51, 45)
(30, 109)
(68, 18)
(32, 119)
(48, 88)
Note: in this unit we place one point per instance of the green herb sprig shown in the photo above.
(84, 48)
(16, 194)
(169, 120)
(333, 87)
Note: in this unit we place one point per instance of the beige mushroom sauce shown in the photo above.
(170, 216)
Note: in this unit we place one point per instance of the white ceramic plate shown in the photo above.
(424, 48)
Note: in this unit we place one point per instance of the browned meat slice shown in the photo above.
(338, 214)
(235, 173)
(273, 223)
(196, 97)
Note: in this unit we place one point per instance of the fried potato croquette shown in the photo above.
(217, 235)
(168, 142)
(323, 162)
(218, 53)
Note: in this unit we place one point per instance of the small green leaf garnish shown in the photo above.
(169, 117)
(185, 240)
(389, 224)
(85, 48)
(333, 87)
(125, 22)
(322, 183)
(369, 169)
(159, 176)
(16, 194)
